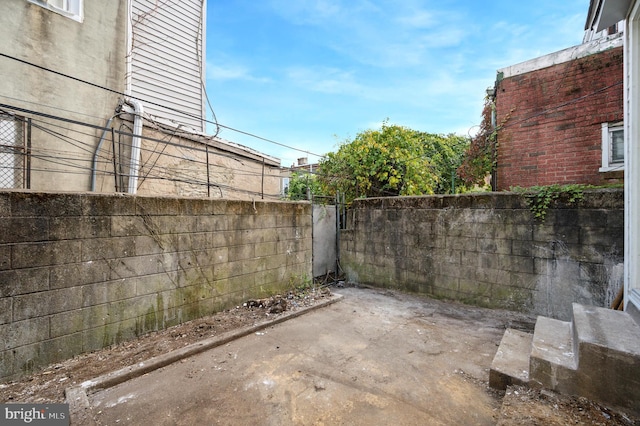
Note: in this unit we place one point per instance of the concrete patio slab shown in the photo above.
(376, 357)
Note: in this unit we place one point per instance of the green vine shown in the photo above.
(539, 198)
(480, 159)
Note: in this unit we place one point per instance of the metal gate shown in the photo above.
(328, 215)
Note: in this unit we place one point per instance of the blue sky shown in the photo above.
(311, 73)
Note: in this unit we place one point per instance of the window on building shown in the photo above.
(12, 152)
(70, 8)
(284, 186)
(612, 147)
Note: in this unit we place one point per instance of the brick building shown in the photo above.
(560, 117)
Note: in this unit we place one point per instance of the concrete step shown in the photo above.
(553, 357)
(596, 355)
(510, 365)
(605, 328)
(608, 343)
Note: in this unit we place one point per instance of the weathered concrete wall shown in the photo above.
(79, 272)
(176, 163)
(488, 250)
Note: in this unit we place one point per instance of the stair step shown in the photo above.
(596, 355)
(553, 358)
(606, 328)
(608, 343)
(510, 365)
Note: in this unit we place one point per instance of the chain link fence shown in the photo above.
(13, 152)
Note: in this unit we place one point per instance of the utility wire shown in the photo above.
(119, 132)
(167, 143)
(557, 107)
(146, 101)
(151, 152)
(184, 174)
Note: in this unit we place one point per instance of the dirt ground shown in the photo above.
(532, 407)
(48, 385)
(518, 405)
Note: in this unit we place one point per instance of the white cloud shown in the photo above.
(355, 62)
(308, 12)
(217, 72)
(380, 34)
(520, 42)
(325, 80)
(508, 30)
(231, 72)
(418, 19)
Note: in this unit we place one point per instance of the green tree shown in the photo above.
(394, 160)
(302, 184)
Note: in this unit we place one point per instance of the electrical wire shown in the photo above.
(49, 106)
(102, 128)
(146, 101)
(559, 106)
(150, 152)
(68, 161)
(218, 125)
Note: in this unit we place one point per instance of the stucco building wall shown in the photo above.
(94, 50)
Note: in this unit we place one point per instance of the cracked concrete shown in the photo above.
(375, 357)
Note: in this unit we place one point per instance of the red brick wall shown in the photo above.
(551, 121)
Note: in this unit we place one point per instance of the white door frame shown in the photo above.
(632, 158)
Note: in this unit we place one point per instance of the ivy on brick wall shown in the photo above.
(539, 198)
(480, 158)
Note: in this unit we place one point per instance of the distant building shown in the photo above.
(301, 166)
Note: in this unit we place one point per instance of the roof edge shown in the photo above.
(169, 126)
(566, 55)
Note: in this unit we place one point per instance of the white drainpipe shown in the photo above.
(136, 141)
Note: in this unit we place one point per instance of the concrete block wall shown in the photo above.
(488, 250)
(550, 121)
(80, 272)
(181, 164)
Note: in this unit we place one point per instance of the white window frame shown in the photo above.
(284, 186)
(72, 9)
(608, 164)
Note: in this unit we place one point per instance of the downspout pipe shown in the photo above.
(136, 142)
(492, 93)
(94, 166)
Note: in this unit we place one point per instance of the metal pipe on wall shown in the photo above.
(136, 142)
(94, 167)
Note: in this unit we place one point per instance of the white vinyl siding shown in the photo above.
(166, 60)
